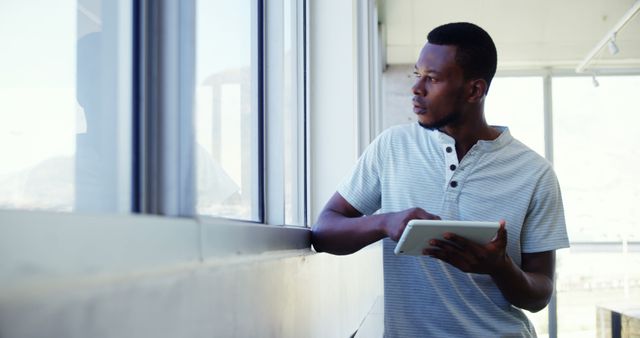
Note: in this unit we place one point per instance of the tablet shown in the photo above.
(419, 232)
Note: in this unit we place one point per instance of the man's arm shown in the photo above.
(529, 287)
(342, 230)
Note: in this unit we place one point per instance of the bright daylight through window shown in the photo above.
(226, 114)
(596, 157)
(249, 114)
(65, 106)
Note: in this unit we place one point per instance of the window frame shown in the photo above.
(223, 236)
(156, 186)
(274, 102)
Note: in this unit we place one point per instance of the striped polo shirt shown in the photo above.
(409, 166)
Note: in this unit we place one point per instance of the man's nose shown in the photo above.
(418, 88)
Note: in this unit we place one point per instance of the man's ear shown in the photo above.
(477, 90)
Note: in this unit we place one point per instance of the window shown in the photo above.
(65, 106)
(595, 146)
(125, 96)
(74, 139)
(518, 103)
(228, 109)
(596, 159)
(250, 111)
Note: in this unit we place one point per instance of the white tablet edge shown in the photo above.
(457, 227)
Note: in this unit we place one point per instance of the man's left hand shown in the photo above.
(469, 256)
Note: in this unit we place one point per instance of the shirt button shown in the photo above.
(454, 184)
(449, 149)
(452, 167)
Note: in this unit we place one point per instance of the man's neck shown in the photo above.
(467, 135)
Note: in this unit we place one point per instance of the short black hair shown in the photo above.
(475, 53)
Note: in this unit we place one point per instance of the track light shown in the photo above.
(594, 80)
(613, 48)
(635, 9)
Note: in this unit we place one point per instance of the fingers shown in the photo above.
(422, 214)
(450, 255)
(467, 255)
(449, 250)
(501, 236)
(459, 241)
(468, 247)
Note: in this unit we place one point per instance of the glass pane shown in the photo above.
(588, 280)
(227, 145)
(597, 148)
(598, 166)
(518, 103)
(65, 105)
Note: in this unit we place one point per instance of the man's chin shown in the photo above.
(430, 126)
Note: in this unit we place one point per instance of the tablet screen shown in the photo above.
(419, 232)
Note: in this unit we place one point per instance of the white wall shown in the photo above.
(290, 294)
(397, 107)
(332, 101)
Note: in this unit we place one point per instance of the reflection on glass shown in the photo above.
(518, 103)
(226, 110)
(596, 157)
(63, 117)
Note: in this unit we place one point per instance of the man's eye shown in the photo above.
(427, 77)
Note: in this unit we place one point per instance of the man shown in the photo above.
(453, 165)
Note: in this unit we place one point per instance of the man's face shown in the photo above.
(439, 89)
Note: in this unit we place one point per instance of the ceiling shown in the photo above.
(528, 34)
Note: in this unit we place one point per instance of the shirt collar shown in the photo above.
(502, 140)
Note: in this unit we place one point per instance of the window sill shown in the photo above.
(39, 247)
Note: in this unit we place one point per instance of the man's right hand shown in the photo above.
(341, 230)
(396, 221)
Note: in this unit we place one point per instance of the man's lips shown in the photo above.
(419, 109)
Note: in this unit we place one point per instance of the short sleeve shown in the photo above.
(361, 188)
(544, 227)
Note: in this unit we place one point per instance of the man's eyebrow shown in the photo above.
(432, 71)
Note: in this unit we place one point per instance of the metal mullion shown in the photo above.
(273, 114)
(548, 152)
(548, 117)
(137, 106)
(258, 94)
(165, 128)
(303, 68)
(186, 110)
(362, 75)
(146, 89)
(298, 169)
